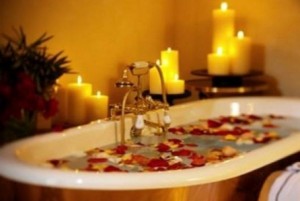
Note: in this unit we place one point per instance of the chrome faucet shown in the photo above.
(141, 105)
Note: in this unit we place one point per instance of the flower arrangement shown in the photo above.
(28, 74)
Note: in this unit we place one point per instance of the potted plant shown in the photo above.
(28, 74)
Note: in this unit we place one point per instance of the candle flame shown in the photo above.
(219, 51)
(98, 94)
(240, 34)
(169, 49)
(79, 79)
(224, 6)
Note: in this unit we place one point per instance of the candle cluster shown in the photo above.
(78, 106)
(170, 69)
(231, 54)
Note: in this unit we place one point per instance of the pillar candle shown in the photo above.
(154, 80)
(240, 52)
(175, 86)
(223, 27)
(77, 92)
(218, 63)
(169, 59)
(96, 107)
(60, 94)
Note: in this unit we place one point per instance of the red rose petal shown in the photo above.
(198, 160)
(140, 159)
(175, 141)
(213, 123)
(198, 131)
(121, 149)
(183, 152)
(161, 147)
(97, 160)
(158, 163)
(177, 166)
(111, 168)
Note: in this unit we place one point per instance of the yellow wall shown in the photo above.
(101, 36)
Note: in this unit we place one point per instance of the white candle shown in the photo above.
(175, 86)
(77, 92)
(218, 63)
(169, 59)
(96, 107)
(154, 80)
(60, 94)
(240, 52)
(223, 27)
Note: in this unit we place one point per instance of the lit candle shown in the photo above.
(218, 63)
(96, 107)
(175, 86)
(77, 92)
(154, 80)
(169, 59)
(60, 94)
(223, 27)
(240, 52)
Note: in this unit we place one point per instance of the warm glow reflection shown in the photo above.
(79, 79)
(224, 6)
(158, 62)
(98, 94)
(219, 51)
(240, 34)
(234, 109)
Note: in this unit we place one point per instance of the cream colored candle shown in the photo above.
(175, 86)
(240, 54)
(218, 63)
(96, 107)
(223, 27)
(77, 92)
(60, 94)
(154, 80)
(169, 59)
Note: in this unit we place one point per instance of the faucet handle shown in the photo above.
(139, 123)
(167, 118)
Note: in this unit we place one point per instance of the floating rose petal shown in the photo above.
(213, 123)
(162, 147)
(97, 160)
(121, 149)
(198, 160)
(111, 168)
(177, 166)
(140, 159)
(183, 152)
(158, 163)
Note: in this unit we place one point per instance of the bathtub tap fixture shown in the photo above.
(141, 104)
